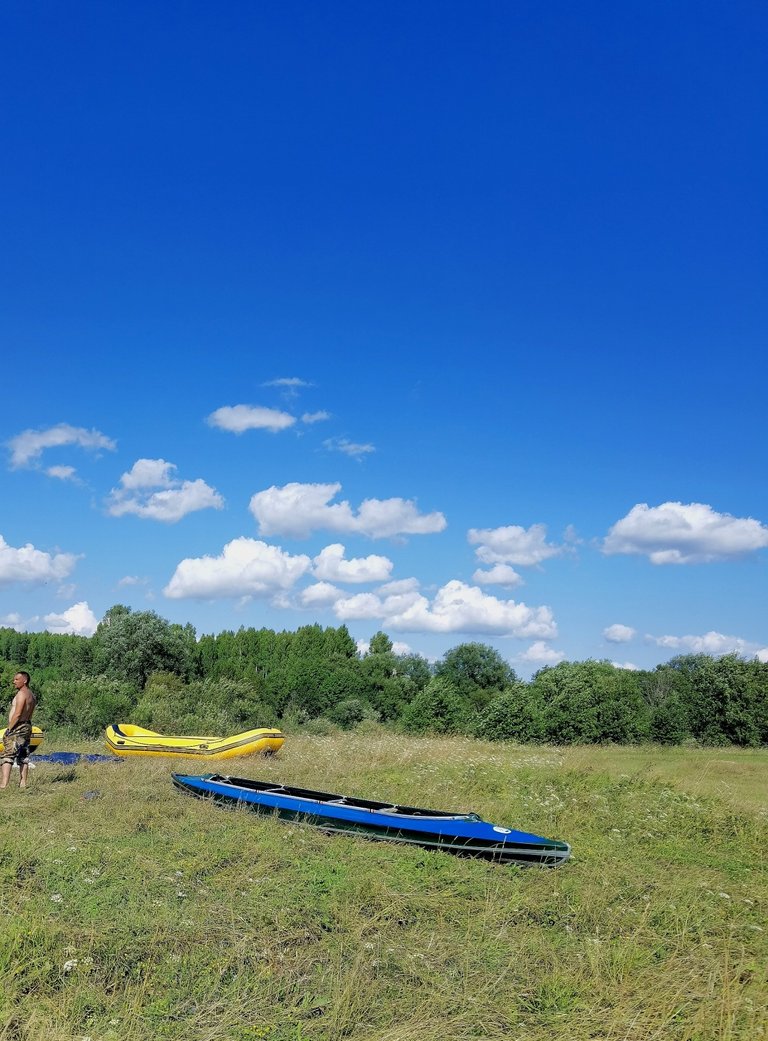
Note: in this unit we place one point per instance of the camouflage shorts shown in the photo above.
(16, 744)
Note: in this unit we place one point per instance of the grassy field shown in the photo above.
(130, 911)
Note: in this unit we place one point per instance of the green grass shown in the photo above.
(130, 911)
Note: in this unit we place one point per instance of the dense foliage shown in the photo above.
(140, 668)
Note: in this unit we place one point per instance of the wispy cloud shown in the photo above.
(172, 500)
(27, 447)
(239, 418)
(315, 417)
(288, 383)
(62, 473)
(347, 447)
(297, 510)
(677, 533)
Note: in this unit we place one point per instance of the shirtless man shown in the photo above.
(17, 737)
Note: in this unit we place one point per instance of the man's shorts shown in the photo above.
(16, 744)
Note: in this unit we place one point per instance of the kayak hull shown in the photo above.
(461, 833)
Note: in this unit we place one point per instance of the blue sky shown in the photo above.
(445, 319)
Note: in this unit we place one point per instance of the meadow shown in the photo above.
(130, 912)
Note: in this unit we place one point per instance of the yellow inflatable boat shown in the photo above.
(37, 738)
(126, 739)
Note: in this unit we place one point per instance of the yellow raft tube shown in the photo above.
(126, 739)
(35, 741)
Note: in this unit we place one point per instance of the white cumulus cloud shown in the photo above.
(540, 653)
(173, 500)
(78, 620)
(455, 608)
(330, 566)
(239, 418)
(33, 566)
(27, 447)
(513, 545)
(400, 585)
(398, 647)
(315, 417)
(246, 567)
(297, 510)
(712, 643)
(148, 473)
(498, 575)
(678, 533)
(619, 633)
(15, 621)
(320, 594)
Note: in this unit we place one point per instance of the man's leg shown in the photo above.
(5, 775)
(23, 773)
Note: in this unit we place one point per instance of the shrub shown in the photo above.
(437, 709)
(518, 715)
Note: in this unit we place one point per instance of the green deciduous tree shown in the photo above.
(477, 671)
(131, 645)
(591, 701)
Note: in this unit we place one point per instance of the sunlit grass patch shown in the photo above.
(129, 911)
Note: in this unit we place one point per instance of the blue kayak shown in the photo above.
(463, 833)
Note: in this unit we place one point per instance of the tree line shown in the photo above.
(142, 669)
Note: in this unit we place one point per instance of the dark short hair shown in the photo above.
(21, 672)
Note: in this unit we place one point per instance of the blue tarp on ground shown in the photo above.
(70, 758)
